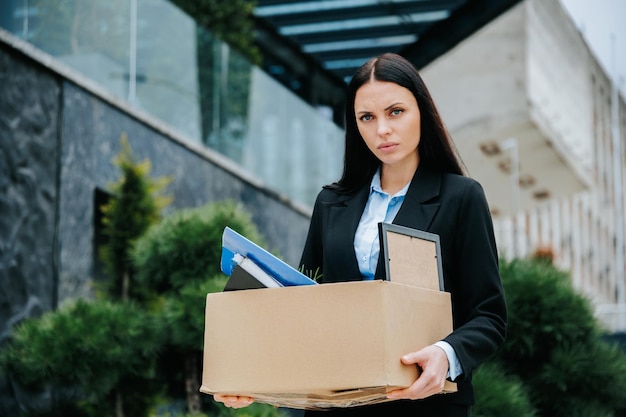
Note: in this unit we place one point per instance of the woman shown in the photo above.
(400, 167)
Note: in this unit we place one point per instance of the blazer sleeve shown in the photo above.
(311, 261)
(479, 306)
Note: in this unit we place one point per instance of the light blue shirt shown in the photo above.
(381, 207)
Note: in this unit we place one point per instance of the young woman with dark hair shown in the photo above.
(435, 145)
(400, 167)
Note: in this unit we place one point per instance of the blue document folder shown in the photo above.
(234, 243)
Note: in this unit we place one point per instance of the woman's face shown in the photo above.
(388, 119)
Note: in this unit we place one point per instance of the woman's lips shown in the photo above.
(387, 147)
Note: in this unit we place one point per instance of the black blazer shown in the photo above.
(453, 207)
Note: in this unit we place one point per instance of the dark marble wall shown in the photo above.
(29, 153)
(57, 142)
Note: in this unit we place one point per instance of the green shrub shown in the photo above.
(555, 346)
(499, 394)
(232, 21)
(187, 245)
(178, 260)
(254, 410)
(219, 410)
(183, 314)
(134, 206)
(545, 312)
(87, 350)
(583, 380)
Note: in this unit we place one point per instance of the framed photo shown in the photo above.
(411, 256)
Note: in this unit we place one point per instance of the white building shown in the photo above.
(538, 122)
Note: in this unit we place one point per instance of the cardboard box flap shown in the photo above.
(411, 257)
(325, 400)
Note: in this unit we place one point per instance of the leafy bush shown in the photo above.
(185, 324)
(135, 205)
(179, 261)
(583, 380)
(545, 312)
(254, 410)
(87, 350)
(499, 394)
(232, 21)
(187, 245)
(555, 345)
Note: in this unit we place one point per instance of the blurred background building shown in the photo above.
(541, 125)
(536, 118)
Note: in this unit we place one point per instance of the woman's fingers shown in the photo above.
(234, 401)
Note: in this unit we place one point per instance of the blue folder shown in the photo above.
(233, 242)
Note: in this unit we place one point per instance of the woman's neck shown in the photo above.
(393, 178)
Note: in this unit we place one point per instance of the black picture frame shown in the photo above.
(383, 232)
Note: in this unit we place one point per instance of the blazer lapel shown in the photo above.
(421, 203)
(344, 219)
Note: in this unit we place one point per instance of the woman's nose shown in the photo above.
(383, 128)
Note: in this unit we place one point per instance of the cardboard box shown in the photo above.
(330, 345)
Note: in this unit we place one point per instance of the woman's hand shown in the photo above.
(433, 362)
(233, 401)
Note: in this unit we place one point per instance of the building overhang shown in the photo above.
(516, 98)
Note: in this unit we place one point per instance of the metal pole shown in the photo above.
(618, 195)
(132, 64)
(25, 20)
(511, 145)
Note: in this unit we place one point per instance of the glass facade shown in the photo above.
(152, 55)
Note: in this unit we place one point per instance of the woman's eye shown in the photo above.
(396, 112)
(366, 117)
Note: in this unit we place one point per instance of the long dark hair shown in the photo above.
(436, 148)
